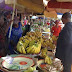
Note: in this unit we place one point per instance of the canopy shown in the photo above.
(63, 5)
(58, 10)
(29, 5)
(59, 7)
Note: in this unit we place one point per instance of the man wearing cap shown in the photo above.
(64, 43)
(56, 29)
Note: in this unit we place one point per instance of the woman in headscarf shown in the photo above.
(3, 30)
(16, 33)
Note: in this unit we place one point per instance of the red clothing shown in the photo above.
(48, 23)
(0, 56)
(56, 30)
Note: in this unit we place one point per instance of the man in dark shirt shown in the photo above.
(64, 43)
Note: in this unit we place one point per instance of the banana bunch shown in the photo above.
(34, 49)
(48, 60)
(54, 38)
(25, 43)
(44, 52)
(20, 47)
(45, 43)
(21, 38)
(51, 45)
(38, 34)
(31, 43)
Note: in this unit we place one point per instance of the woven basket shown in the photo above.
(64, 0)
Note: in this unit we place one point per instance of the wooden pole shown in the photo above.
(16, 12)
(12, 19)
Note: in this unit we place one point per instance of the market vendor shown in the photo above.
(16, 33)
(3, 30)
(64, 43)
(56, 29)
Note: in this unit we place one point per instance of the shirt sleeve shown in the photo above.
(52, 29)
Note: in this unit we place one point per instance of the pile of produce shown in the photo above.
(50, 65)
(47, 59)
(31, 43)
(55, 66)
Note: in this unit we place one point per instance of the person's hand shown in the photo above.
(11, 21)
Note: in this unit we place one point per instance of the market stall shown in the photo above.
(35, 50)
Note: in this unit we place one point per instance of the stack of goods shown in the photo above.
(51, 65)
(54, 67)
(31, 43)
(35, 27)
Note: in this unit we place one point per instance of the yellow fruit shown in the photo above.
(29, 49)
(34, 68)
(21, 38)
(19, 44)
(48, 60)
(44, 52)
(54, 38)
(22, 50)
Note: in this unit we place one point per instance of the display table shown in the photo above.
(6, 70)
(36, 58)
